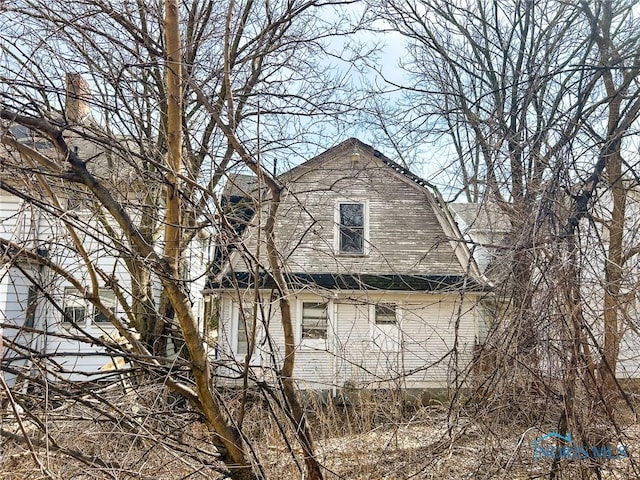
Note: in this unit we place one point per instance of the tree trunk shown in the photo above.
(229, 437)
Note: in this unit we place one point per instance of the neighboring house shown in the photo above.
(384, 291)
(43, 318)
(34, 300)
(488, 230)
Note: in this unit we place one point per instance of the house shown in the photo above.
(487, 228)
(48, 326)
(384, 291)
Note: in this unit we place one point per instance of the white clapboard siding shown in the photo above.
(431, 331)
(430, 326)
(28, 227)
(14, 288)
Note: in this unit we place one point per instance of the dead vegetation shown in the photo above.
(145, 434)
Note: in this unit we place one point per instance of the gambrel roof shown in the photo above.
(440, 256)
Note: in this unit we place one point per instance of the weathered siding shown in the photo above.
(430, 327)
(405, 235)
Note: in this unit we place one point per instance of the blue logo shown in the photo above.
(554, 446)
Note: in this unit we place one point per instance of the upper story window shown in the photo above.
(351, 228)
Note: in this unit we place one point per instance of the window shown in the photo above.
(211, 314)
(386, 314)
(32, 304)
(314, 320)
(351, 226)
(108, 299)
(385, 331)
(74, 307)
(245, 319)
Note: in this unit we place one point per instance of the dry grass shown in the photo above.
(371, 438)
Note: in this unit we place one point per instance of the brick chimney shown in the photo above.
(78, 98)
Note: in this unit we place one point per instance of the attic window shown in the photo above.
(351, 226)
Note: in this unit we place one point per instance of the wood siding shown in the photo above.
(437, 334)
(405, 235)
(31, 228)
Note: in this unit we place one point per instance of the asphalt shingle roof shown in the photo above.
(335, 281)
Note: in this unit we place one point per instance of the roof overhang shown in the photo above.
(352, 282)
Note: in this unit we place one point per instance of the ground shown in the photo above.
(368, 440)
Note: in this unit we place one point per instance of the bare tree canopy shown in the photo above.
(162, 100)
(538, 105)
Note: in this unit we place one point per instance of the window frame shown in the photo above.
(72, 300)
(33, 298)
(243, 312)
(307, 343)
(314, 305)
(388, 332)
(256, 357)
(389, 306)
(111, 303)
(338, 227)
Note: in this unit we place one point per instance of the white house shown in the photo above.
(47, 325)
(384, 292)
(488, 229)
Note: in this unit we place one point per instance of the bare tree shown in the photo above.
(540, 101)
(165, 115)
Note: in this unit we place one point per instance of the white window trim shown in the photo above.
(70, 292)
(90, 310)
(375, 329)
(313, 343)
(336, 228)
(233, 337)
